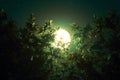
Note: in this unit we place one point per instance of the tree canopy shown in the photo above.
(26, 53)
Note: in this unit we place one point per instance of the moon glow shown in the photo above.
(62, 39)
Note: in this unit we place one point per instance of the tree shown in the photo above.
(99, 49)
(34, 40)
(9, 46)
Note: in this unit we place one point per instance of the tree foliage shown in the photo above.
(27, 54)
(99, 48)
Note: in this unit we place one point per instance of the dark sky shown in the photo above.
(61, 11)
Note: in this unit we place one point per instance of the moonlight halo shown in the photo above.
(62, 39)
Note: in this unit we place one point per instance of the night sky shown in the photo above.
(61, 11)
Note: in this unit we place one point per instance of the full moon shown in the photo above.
(62, 39)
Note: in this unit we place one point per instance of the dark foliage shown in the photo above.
(100, 49)
(27, 54)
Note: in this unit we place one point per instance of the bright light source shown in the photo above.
(62, 39)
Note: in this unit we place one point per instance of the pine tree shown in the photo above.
(99, 51)
(9, 46)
